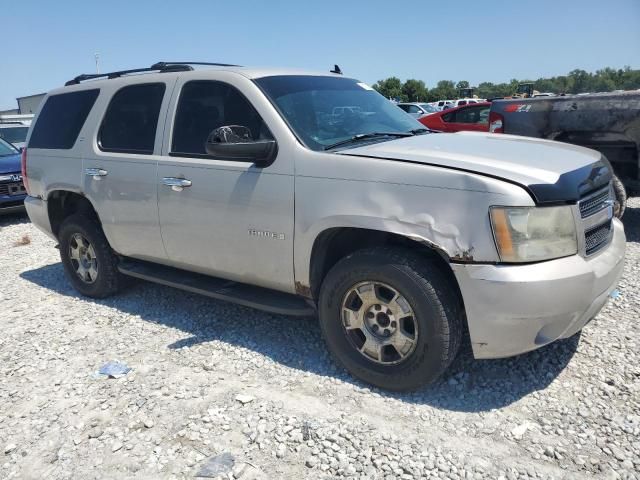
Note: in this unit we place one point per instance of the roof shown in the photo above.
(466, 105)
(259, 72)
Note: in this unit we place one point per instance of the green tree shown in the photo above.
(581, 81)
(629, 79)
(577, 81)
(391, 88)
(445, 89)
(415, 90)
(563, 84)
(544, 85)
(486, 90)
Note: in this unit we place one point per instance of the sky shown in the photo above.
(47, 43)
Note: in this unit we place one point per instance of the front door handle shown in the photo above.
(96, 173)
(176, 184)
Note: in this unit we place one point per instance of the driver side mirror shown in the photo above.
(235, 142)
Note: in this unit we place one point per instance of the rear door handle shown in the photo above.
(96, 173)
(176, 184)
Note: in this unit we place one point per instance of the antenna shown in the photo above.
(97, 58)
(336, 69)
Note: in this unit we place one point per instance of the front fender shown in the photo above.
(444, 208)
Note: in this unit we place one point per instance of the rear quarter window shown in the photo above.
(130, 124)
(61, 119)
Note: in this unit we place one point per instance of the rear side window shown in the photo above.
(61, 119)
(130, 124)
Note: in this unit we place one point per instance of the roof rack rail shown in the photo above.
(160, 65)
(154, 68)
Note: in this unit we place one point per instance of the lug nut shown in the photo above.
(377, 307)
(370, 315)
(386, 332)
(375, 327)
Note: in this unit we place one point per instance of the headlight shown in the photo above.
(532, 234)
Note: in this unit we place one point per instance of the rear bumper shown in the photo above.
(515, 309)
(38, 214)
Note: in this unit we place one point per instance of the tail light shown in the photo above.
(496, 123)
(23, 168)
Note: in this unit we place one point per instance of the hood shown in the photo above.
(10, 164)
(550, 171)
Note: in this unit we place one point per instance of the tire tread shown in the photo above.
(427, 274)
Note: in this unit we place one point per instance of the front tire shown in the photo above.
(621, 197)
(391, 318)
(88, 261)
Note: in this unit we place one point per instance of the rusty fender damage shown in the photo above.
(443, 209)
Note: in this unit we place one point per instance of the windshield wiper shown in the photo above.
(420, 131)
(362, 136)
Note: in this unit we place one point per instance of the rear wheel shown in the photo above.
(621, 197)
(89, 262)
(391, 318)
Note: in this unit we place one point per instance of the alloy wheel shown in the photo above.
(83, 258)
(379, 322)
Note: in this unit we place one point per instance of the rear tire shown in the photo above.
(621, 197)
(368, 279)
(89, 263)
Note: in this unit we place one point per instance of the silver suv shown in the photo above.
(300, 192)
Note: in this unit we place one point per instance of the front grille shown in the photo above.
(597, 237)
(596, 211)
(16, 188)
(595, 202)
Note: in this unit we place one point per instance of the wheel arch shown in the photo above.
(63, 203)
(335, 243)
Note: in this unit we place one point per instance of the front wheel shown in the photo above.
(391, 318)
(89, 263)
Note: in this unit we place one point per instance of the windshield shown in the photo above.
(323, 111)
(7, 149)
(14, 134)
(428, 108)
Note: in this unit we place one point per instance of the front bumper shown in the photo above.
(11, 204)
(512, 309)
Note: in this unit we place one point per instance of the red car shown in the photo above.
(473, 117)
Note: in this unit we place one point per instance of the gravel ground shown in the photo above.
(210, 377)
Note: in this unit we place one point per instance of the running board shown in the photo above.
(251, 296)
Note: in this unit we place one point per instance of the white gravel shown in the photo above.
(209, 377)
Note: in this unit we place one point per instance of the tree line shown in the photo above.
(576, 81)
